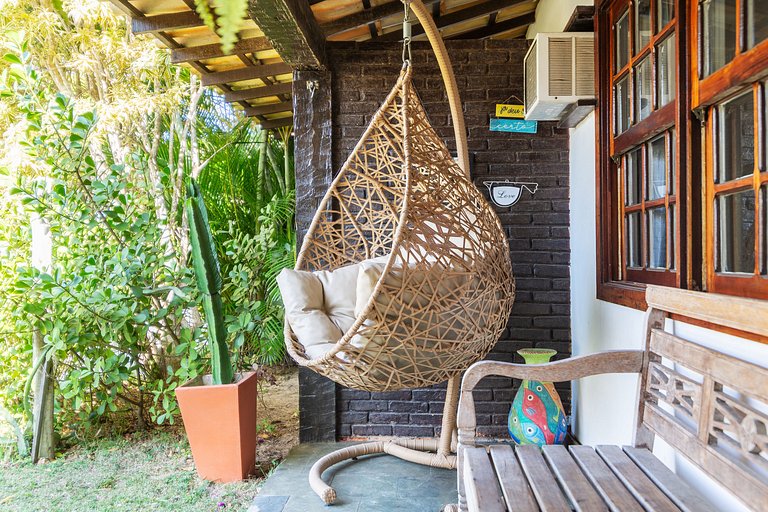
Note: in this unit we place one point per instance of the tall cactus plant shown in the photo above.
(206, 265)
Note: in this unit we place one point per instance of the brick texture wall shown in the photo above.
(487, 72)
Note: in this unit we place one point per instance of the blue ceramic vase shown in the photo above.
(537, 415)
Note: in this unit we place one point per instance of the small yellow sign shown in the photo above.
(506, 110)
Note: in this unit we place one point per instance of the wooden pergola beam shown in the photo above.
(258, 92)
(272, 108)
(366, 16)
(454, 18)
(497, 28)
(293, 31)
(277, 123)
(166, 22)
(212, 51)
(246, 73)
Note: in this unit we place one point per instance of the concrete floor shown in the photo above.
(374, 483)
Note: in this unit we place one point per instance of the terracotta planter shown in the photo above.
(220, 421)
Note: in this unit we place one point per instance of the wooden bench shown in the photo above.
(706, 405)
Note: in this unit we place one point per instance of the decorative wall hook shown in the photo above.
(312, 86)
(506, 193)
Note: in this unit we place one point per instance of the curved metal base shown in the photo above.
(412, 450)
(436, 453)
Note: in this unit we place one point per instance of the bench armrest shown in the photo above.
(616, 361)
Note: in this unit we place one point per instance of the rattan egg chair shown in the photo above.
(446, 290)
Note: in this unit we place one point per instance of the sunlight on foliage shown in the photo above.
(98, 132)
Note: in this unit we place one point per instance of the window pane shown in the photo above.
(657, 237)
(736, 232)
(621, 100)
(633, 177)
(736, 143)
(622, 41)
(643, 89)
(642, 24)
(665, 11)
(757, 22)
(719, 33)
(665, 60)
(672, 236)
(633, 240)
(764, 216)
(672, 144)
(657, 168)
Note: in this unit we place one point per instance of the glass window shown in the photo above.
(719, 33)
(642, 24)
(621, 94)
(672, 236)
(657, 168)
(666, 70)
(735, 219)
(622, 41)
(665, 11)
(764, 232)
(633, 177)
(633, 240)
(736, 144)
(642, 97)
(671, 163)
(657, 237)
(757, 22)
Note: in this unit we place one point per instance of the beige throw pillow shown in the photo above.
(303, 299)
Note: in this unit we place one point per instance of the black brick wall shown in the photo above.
(487, 72)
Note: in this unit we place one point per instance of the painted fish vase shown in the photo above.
(537, 415)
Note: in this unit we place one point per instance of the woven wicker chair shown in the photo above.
(446, 292)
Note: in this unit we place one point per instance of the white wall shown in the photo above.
(604, 407)
(552, 15)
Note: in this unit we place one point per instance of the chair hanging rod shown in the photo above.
(449, 79)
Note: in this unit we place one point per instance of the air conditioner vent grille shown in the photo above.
(530, 77)
(561, 66)
(585, 66)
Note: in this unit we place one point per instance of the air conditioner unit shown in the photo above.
(559, 70)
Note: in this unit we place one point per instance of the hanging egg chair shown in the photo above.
(434, 285)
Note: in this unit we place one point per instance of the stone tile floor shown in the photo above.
(372, 483)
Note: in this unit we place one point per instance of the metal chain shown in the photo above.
(407, 33)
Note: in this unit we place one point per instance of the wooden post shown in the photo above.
(291, 28)
(314, 173)
(42, 383)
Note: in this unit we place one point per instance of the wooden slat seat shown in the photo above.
(707, 406)
(584, 479)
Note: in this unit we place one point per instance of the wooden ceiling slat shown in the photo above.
(212, 51)
(362, 18)
(277, 123)
(166, 22)
(446, 20)
(367, 16)
(272, 108)
(128, 8)
(496, 28)
(258, 92)
(247, 73)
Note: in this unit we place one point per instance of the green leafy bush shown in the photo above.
(117, 309)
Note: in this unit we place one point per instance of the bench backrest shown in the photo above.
(710, 407)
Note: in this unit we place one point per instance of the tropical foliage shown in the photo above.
(99, 135)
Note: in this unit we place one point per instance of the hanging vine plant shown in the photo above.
(223, 17)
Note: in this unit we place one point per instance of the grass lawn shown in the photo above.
(152, 472)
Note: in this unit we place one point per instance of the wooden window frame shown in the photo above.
(748, 69)
(693, 112)
(612, 285)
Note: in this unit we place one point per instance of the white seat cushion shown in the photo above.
(320, 306)
(303, 299)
